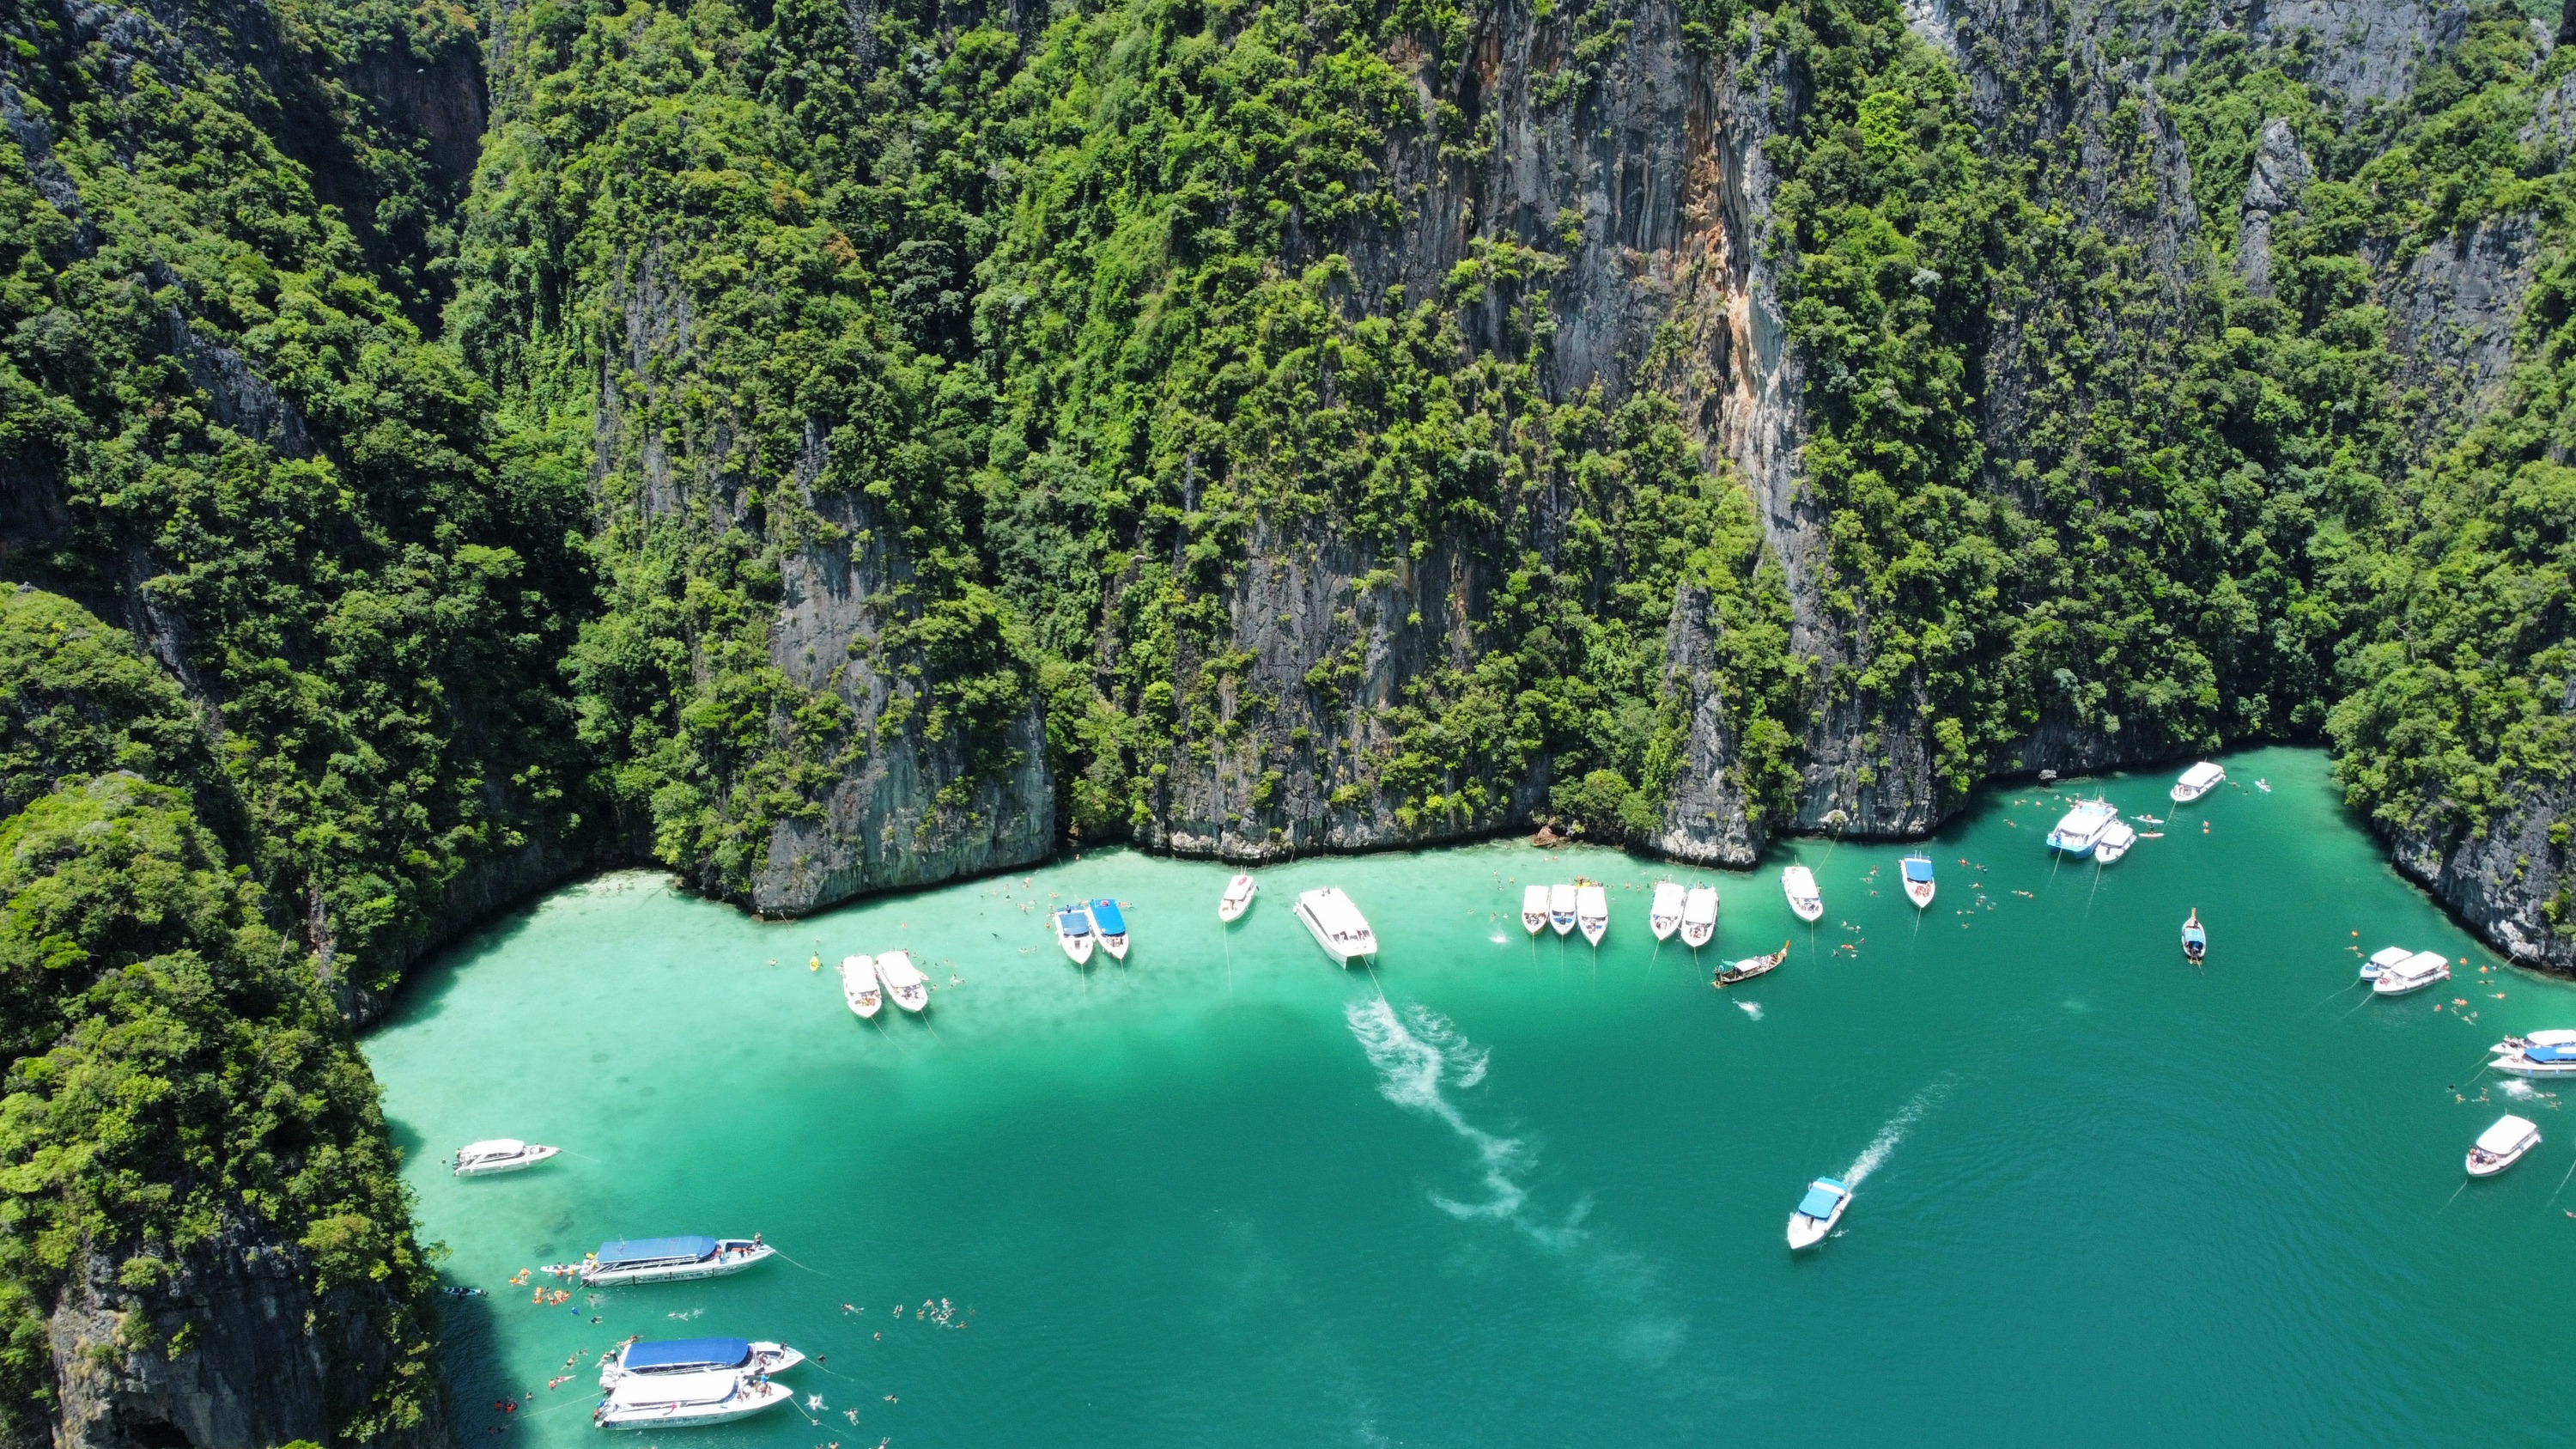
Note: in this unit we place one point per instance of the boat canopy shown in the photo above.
(654, 1250)
(1340, 919)
(1917, 868)
(1106, 916)
(1073, 921)
(688, 1353)
(2508, 1133)
(2549, 1052)
(497, 1147)
(1821, 1200)
(645, 1391)
(2422, 962)
(2387, 956)
(2202, 776)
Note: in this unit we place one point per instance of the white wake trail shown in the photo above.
(1893, 1133)
(1419, 1054)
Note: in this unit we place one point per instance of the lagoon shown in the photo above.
(1501, 1191)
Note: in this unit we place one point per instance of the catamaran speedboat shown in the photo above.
(1534, 908)
(501, 1154)
(903, 980)
(1592, 910)
(1749, 967)
(1799, 884)
(859, 986)
(1817, 1212)
(2412, 974)
(2081, 828)
(1665, 916)
(698, 1356)
(670, 1260)
(1918, 879)
(2541, 1054)
(2381, 959)
(2116, 839)
(2502, 1145)
(1560, 907)
(1699, 916)
(2197, 781)
(1237, 898)
(1111, 923)
(673, 1401)
(1336, 924)
(1073, 932)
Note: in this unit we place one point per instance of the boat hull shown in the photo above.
(752, 1399)
(531, 1158)
(2388, 985)
(2481, 1165)
(1323, 937)
(720, 1265)
(1116, 946)
(1920, 895)
(1078, 948)
(766, 1358)
(2520, 1066)
(1237, 899)
(1761, 965)
(1806, 1232)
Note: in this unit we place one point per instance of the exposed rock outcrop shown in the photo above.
(2280, 177)
(2451, 315)
(2510, 879)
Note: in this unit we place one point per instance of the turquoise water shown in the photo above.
(1227, 1193)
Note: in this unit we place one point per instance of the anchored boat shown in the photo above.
(2412, 974)
(1665, 916)
(1336, 925)
(1799, 884)
(1560, 907)
(1073, 932)
(670, 1260)
(1918, 879)
(501, 1154)
(2116, 839)
(1749, 967)
(1699, 916)
(2080, 829)
(2381, 959)
(859, 986)
(2502, 1145)
(2195, 939)
(2197, 781)
(1817, 1212)
(1592, 910)
(1534, 908)
(903, 980)
(1237, 898)
(698, 1356)
(1111, 923)
(675, 1401)
(2541, 1054)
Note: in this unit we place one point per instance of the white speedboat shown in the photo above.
(903, 980)
(2116, 839)
(2541, 1054)
(1749, 967)
(1799, 884)
(1917, 871)
(697, 1356)
(1111, 923)
(2412, 974)
(1592, 910)
(859, 986)
(676, 1401)
(1073, 932)
(2502, 1145)
(2381, 959)
(2197, 781)
(1534, 908)
(2081, 828)
(1817, 1212)
(1237, 898)
(1560, 907)
(501, 1154)
(670, 1260)
(1336, 924)
(1665, 916)
(1699, 916)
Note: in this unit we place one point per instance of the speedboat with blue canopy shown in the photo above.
(698, 1356)
(1111, 923)
(1818, 1211)
(670, 1260)
(681, 1400)
(1918, 879)
(2541, 1054)
(1073, 932)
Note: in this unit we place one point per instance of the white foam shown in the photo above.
(2519, 1090)
(1891, 1134)
(1750, 1008)
(1416, 1055)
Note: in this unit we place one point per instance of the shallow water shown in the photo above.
(1226, 1193)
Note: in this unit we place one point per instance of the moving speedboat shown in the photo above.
(2197, 781)
(1237, 898)
(1665, 916)
(673, 1401)
(2081, 828)
(670, 1260)
(2116, 839)
(1111, 923)
(2502, 1145)
(1699, 916)
(698, 1356)
(1073, 932)
(1918, 879)
(2541, 1054)
(903, 980)
(1336, 925)
(859, 986)
(1592, 910)
(2382, 959)
(501, 1154)
(1799, 884)
(1817, 1212)
(1560, 907)
(1749, 967)
(2412, 974)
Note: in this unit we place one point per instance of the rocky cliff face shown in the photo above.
(2510, 881)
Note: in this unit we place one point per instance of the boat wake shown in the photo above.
(1893, 1133)
(1420, 1054)
(1750, 1008)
